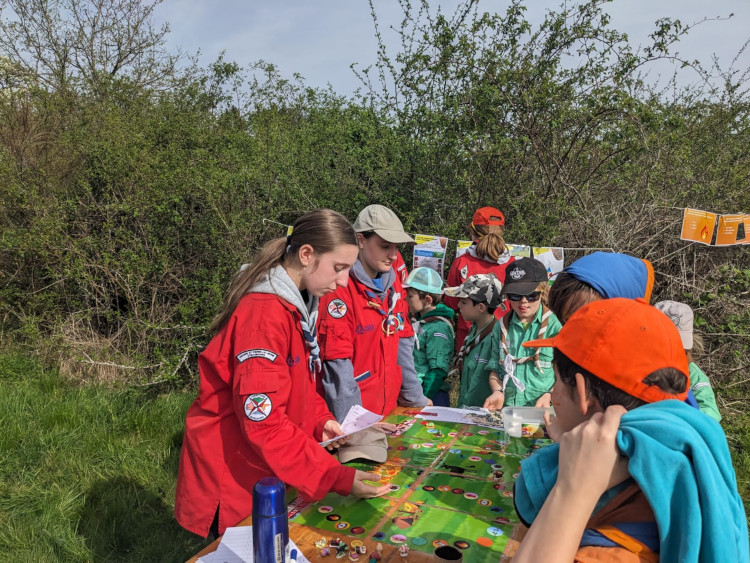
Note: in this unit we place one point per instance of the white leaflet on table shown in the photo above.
(448, 414)
(358, 418)
(236, 546)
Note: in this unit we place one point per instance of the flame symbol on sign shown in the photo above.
(704, 232)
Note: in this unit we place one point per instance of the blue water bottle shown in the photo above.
(270, 523)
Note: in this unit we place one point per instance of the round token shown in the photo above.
(398, 538)
(452, 434)
(484, 542)
(356, 543)
(508, 494)
(402, 448)
(502, 520)
(485, 502)
(484, 452)
(468, 433)
(483, 432)
(499, 486)
(394, 487)
(496, 509)
(419, 541)
(497, 466)
(428, 488)
(455, 451)
(490, 461)
(493, 531)
(378, 536)
(444, 488)
(515, 475)
(325, 509)
(353, 556)
(439, 543)
(333, 517)
(471, 496)
(342, 525)
(432, 431)
(357, 531)
(475, 458)
(457, 491)
(430, 425)
(461, 544)
(415, 446)
(428, 445)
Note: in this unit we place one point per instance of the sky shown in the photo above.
(320, 39)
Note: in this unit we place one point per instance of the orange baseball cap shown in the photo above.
(488, 216)
(621, 341)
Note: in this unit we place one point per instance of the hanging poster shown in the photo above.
(519, 250)
(429, 252)
(552, 258)
(462, 247)
(731, 230)
(698, 226)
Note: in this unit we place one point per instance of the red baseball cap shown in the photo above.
(488, 216)
(621, 341)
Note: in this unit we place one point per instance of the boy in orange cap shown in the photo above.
(637, 476)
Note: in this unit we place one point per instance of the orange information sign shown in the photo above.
(732, 230)
(698, 226)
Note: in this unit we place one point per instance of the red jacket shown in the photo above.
(399, 266)
(349, 328)
(257, 414)
(462, 268)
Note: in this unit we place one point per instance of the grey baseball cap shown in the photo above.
(383, 222)
(682, 317)
(480, 288)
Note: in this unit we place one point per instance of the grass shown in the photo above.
(87, 473)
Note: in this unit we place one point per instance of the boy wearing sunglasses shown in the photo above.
(522, 376)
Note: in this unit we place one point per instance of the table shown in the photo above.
(415, 468)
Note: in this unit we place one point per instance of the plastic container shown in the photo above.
(270, 522)
(524, 422)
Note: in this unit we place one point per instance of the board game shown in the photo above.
(450, 484)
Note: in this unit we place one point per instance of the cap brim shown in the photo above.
(394, 237)
(374, 453)
(541, 343)
(520, 288)
(455, 292)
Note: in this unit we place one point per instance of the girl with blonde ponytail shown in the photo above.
(257, 413)
(487, 255)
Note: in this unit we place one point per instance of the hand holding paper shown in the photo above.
(358, 418)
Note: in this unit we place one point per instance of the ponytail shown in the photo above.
(323, 229)
(489, 240)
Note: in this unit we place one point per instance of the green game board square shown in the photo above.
(420, 454)
(435, 524)
(344, 515)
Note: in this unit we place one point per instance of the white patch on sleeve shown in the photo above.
(464, 272)
(701, 384)
(257, 353)
(440, 335)
(337, 308)
(258, 406)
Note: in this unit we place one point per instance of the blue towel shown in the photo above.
(612, 274)
(680, 459)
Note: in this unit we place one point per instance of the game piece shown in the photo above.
(335, 542)
(340, 554)
(375, 556)
(321, 543)
(325, 552)
(379, 548)
(342, 548)
(353, 556)
(361, 549)
(403, 550)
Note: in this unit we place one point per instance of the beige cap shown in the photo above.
(383, 222)
(365, 444)
(682, 316)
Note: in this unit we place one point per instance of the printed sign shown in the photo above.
(462, 247)
(429, 252)
(733, 229)
(519, 250)
(552, 258)
(698, 226)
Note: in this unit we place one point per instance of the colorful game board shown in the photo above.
(451, 484)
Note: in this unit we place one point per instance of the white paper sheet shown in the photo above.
(447, 414)
(358, 418)
(236, 546)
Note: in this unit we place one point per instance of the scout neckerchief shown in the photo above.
(468, 346)
(310, 332)
(510, 362)
(391, 323)
(417, 326)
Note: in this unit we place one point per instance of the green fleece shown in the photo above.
(537, 383)
(703, 392)
(475, 374)
(433, 349)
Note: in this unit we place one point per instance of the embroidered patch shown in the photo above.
(257, 353)
(440, 335)
(258, 406)
(464, 272)
(701, 384)
(292, 361)
(337, 308)
(517, 273)
(361, 329)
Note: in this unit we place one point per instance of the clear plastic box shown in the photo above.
(524, 422)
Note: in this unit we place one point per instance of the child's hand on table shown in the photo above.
(363, 490)
(495, 401)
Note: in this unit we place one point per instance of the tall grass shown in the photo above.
(87, 473)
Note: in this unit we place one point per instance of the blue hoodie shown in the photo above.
(615, 275)
(680, 459)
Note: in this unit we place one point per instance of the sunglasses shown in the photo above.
(531, 297)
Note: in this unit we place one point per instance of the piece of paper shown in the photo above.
(429, 252)
(446, 414)
(236, 546)
(552, 258)
(462, 247)
(358, 418)
(698, 226)
(732, 230)
(519, 250)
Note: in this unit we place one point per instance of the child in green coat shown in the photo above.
(478, 296)
(521, 376)
(433, 328)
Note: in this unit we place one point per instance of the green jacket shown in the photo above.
(433, 349)
(475, 373)
(703, 392)
(537, 383)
